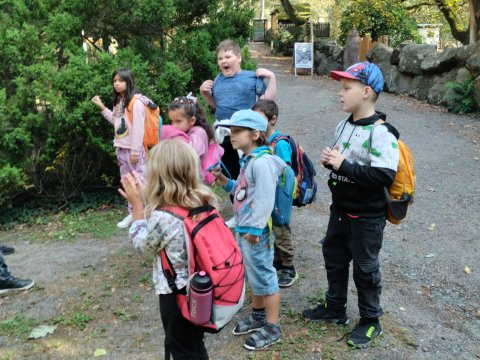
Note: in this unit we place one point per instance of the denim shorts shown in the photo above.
(258, 261)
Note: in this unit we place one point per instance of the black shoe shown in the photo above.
(364, 333)
(14, 284)
(7, 250)
(321, 313)
(287, 278)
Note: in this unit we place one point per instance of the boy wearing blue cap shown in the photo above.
(254, 198)
(359, 173)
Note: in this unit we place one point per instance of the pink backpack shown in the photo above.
(212, 157)
(211, 247)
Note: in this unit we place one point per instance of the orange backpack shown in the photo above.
(152, 122)
(400, 194)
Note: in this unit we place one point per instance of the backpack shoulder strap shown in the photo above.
(370, 138)
(130, 108)
(259, 86)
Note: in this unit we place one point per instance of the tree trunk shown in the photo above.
(473, 22)
(458, 33)
(292, 13)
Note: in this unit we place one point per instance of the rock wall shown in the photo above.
(423, 72)
(418, 70)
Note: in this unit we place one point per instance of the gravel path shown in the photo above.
(432, 306)
(425, 287)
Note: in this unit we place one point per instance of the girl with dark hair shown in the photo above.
(128, 140)
(187, 116)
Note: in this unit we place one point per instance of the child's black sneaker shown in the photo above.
(287, 277)
(322, 314)
(7, 250)
(364, 333)
(14, 284)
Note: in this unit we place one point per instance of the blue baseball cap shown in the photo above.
(367, 73)
(248, 119)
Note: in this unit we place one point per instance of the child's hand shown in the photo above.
(217, 172)
(206, 87)
(96, 100)
(335, 158)
(252, 239)
(132, 189)
(324, 155)
(261, 72)
(134, 159)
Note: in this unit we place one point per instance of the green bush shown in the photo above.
(461, 99)
(54, 144)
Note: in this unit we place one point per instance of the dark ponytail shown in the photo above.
(191, 108)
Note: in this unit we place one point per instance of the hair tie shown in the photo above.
(192, 98)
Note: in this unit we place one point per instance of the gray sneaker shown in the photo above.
(264, 338)
(248, 325)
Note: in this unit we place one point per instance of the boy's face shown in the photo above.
(243, 138)
(353, 94)
(229, 62)
(271, 122)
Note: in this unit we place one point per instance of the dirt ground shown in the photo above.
(99, 294)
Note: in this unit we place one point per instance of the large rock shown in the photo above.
(476, 92)
(379, 53)
(395, 57)
(463, 75)
(352, 47)
(440, 91)
(464, 52)
(328, 64)
(395, 82)
(473, 64)
(440, 62)
(412, 56)
(337, 54)
(420, 86)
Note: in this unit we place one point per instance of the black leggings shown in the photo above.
(183, 340)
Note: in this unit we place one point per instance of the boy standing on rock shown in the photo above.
(358, 211)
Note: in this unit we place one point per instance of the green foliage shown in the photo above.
(77, 321)
(18, 326)
(54, 144)
(378, 18)
(461, 99)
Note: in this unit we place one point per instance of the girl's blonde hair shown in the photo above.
(174, 178)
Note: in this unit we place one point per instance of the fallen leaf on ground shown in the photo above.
(42, 331)
(432, 227)
(467, 270)
(431, 255)
(99, 352)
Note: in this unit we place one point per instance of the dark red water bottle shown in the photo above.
(200, 299)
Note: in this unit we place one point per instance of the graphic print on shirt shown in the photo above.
(241, 192)
(122, 130)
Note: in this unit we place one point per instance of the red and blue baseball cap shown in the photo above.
(367, 73)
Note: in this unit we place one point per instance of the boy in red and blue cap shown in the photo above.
(359, 173)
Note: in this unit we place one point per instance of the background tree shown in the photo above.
(377, 18)
(54, 145)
